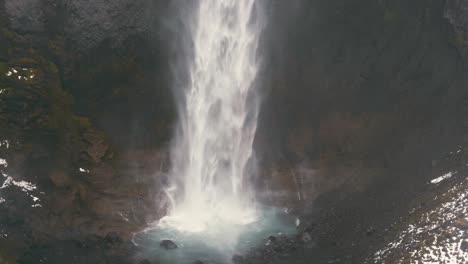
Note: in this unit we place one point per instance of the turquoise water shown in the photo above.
(214, 247)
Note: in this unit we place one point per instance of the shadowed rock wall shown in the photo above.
(364, 101)
(377, 86)
(85, 116)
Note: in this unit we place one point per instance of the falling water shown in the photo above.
(211, 156)
(213, 214)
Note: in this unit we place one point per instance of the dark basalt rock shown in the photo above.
(237, 259)
(456, 13)
(113, 238)
(272, 239)
(370, 231)
(306, 237)
(464, 245)
(86, 23)
(25, 15)
(168, 244)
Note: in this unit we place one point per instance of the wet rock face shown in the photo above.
(90, 250)
(96, 185)
(456, 12)
(113, 238)
(355, 93)
(88, 22)
(25, 15)
(97, 147)
(110, 55)
(85, 23)
(353, 113)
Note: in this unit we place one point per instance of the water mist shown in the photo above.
(218, 120)
(213, 214)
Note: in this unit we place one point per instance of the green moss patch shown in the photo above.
(3, 68)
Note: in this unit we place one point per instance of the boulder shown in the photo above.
(168, 244)
(59, 178)
(464, 245)
(113, 238)
(306, 237)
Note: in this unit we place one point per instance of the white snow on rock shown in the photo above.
(84, 170)
(26, 187)
(5, 143)
(434, 237)
(443, 177)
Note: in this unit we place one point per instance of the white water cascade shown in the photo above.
(213, 151)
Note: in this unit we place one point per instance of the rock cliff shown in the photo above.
(362, 102)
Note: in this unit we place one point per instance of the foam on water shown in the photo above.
(207, 247)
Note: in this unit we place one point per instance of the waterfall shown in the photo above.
(213, 151)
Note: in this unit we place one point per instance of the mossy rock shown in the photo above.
(6, 259)
(8, 34)
(56, 45)
(391, 17)
(48, 106)
(459, 41)
(83, 122)
(3, 68)
(27, 61)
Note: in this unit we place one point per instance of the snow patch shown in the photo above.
(24, 186)
(123, 216)
(84, 170)
(5, 143)
(21, 74)
(435, 237)
(443, 177)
